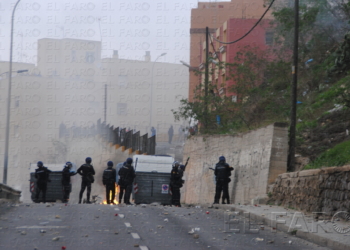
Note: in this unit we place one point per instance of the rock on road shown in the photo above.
(94, 226)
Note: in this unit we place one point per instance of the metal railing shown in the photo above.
(136, 141)
(115, 136)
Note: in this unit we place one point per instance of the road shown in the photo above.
(94, 226)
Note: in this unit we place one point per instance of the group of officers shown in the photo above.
(127, 175)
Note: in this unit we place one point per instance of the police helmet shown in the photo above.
(182, 167)
(176, 164)
(68, 164)
(40, 164)
(222, 158)
(110, 164)
(88, 160)
(129, 160)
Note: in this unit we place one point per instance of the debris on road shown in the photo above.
(23, 232)
(42, 231)
(55, 238)
(259, 239)
(57, 217)
(166, 220)
(195, 236)
(191, 231)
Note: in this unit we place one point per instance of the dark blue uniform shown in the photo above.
(127, 176)
(108, 179)
(86, 171)
(175, 185)
(42, 176)
(222, 173)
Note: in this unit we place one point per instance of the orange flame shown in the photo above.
(117, 190)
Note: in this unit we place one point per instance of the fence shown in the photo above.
(115, 136)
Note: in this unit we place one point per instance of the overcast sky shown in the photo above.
(131, 27)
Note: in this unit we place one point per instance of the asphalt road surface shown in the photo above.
(90, 226)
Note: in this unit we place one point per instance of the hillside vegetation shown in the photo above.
(263, 84)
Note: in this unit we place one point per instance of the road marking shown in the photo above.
(135, 236)
(127, 224)
(40, 227)
(143, 248)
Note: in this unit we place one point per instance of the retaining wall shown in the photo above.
(320, 190)
(258, 157)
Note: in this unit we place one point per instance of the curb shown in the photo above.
(314, 238)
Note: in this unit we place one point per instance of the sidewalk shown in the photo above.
(303, 225)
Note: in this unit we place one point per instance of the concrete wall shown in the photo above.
(258, 158)
(319, 190)
(9, 193)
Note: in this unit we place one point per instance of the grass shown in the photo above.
(336, 156)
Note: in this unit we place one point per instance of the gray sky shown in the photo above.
(131, 27)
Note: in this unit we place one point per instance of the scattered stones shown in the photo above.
(23, 233)
(55, 238)
(57, 217)
(195, 236)
(42, 231)
(191, 231)
(166, 220)
(116, 232)
(48, 205)
(259, 239)
(136, 245)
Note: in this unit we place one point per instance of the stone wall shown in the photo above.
(258, 157)
(319, 190)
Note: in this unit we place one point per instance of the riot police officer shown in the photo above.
(176, 183)
(66, 184)
(222, 173)
(87, 173)
(127, 176)
(109, 178)
(42, 175)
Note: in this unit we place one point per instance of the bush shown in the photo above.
(337, 156)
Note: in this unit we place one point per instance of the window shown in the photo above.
(73, 55)
(17, 102)
(122, 80)
(269, 37)
(122, 108)
(89, 57)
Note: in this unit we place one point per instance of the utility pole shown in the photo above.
(206, 79)
(293, 113)
(105, 113)
(7, 133)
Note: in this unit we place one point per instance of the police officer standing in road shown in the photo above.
(127, 176)
(176, 183)
(109, 178)
(42, 175)
(87, 172)
(222, 173)
(66, 185)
